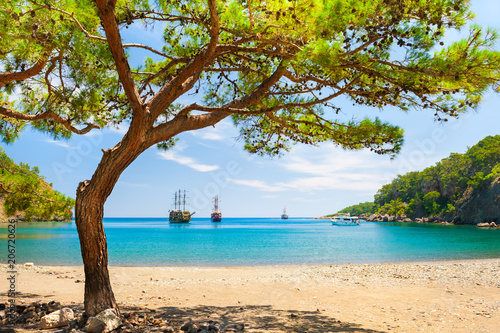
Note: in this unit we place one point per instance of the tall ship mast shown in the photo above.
(284, 216)
(178, 215)
(216, 215)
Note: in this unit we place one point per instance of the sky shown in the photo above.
(309, 181)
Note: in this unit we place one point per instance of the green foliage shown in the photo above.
(276, 66)
(394, 207)
(431, 206)
(436, 189)
(25, 191)
(449, 209)
(477, 181)
(78, 81)
(167, 144)
(362, 208)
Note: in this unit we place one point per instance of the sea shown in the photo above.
(252, 242)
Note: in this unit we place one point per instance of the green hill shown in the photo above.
(446, 189)
(366, 208)
(24, 194)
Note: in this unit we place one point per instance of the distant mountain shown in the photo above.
(25, 195)
(462, 188)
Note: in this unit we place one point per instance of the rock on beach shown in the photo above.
(104, 321)
(58, 318)
(487, 225)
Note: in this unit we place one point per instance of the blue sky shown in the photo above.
(309, 181)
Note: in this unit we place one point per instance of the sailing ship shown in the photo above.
(216, 215)
(284, 216)
(178, 215)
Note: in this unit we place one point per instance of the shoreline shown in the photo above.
(429, 261)
(449, 296)
(384, 218)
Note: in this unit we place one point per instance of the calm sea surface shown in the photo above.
(253, 241)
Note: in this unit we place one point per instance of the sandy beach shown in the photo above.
(454, 296)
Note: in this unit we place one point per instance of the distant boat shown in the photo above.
(284, 216)
(178, 215)
(216, 215)
(345, 220)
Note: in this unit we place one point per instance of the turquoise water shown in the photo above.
(253, 241)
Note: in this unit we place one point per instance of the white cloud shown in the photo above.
(332, 168)
(341, 181)
(258, 184)
(344, 182)
(224, 130)
(173, 155)
(94, 132)
(309, 199)
(61, 144)
(329, 168)
(209, 134)
(327, 160)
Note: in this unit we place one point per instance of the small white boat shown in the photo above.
(346, 219)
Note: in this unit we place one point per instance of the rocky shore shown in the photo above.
(430, 219)
(454, 296)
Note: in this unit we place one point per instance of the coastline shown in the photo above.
(22, 221)
(449, 296)
(422, 220)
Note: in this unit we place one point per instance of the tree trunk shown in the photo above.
(88, 216)
(89, 211)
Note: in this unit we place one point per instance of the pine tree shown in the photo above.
(276, 67)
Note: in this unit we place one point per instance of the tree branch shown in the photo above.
(23, 75)
(243, 49)
(232, 69)
(163, 71)
(47, 115)
(188, 76)
(149, 49)
(73, 18)
(106, 12)
(183, 121)
(230, 110)
(47, 81)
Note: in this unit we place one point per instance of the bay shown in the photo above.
(253, 241)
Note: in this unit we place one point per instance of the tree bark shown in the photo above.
(89, 211)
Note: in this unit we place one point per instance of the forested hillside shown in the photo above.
(362, 208)
(24, 193)
(443, 189)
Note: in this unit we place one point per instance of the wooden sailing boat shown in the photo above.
(178, 215)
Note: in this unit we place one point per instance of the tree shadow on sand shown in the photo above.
(254, 318)
(244, 319)
(21, 295)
